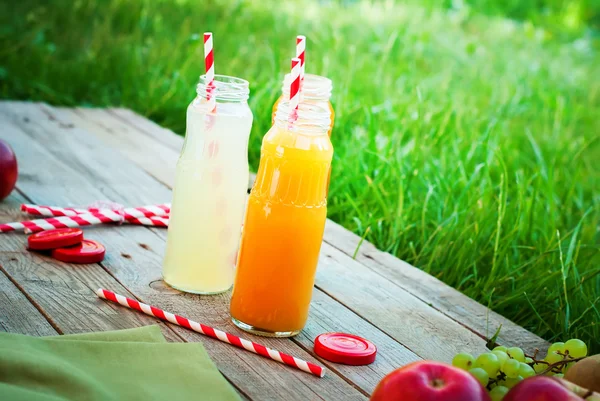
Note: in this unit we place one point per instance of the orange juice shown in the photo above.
(283, 231)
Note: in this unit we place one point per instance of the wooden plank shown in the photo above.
(145, 127)
(9, 207)
(256, 377)
(364, 377)
(17, 313)
(431, 290)
(421, 328)
(415, 329)
(131, 144)
(439, 295)
(65, 292)
(327, 315)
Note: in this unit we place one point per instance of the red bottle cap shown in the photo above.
(345, 348)
(87, 252)
(51, 239)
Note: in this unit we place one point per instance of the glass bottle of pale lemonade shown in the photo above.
(210, 190)
(284, 225)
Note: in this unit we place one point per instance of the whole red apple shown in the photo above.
(429, 381)
(8, 169)
(541, 388)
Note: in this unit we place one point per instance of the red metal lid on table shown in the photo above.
(87, 252)
(52, 239)
(345, 348)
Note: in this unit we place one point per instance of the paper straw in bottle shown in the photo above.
(300, 53)
(294, 90)
(209, 64)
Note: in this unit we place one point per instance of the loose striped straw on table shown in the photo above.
(300, 53)
(156, 221)
(209, 64)
(80, 220)
(128, 212)
(214, 333)
(294, 89)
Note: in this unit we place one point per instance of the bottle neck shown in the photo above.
(315, 88)
(226, 89)
(309, 119)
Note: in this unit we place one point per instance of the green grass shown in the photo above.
(466, 143)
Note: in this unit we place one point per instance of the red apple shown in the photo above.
(541, 388)
(429, 381)
(8, 169)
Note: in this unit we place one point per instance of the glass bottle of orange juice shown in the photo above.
(315, 90)
(285, 220)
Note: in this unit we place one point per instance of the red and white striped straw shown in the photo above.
(161, 210)
(209, 64)
(128, 212)
(214, 333)
(300, 53)
(150, 215)
(155, 221)
(80, 220)
(52, 211)
(294, 89)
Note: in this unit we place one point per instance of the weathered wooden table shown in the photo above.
(77, 156)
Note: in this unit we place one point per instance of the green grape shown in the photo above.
(488, 362)
(526, 371)
(553, 357)
(511, 368)
(463, 361)
(557, 347)
(528, 360)
(500, 348)
(576, 348)
(559, 375)
(552, 373)
(511, 382)
(480, 375)
(539, 367)
(516, 353)
(501, 355)
(498, 393)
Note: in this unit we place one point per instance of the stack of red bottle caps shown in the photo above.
(67, 245)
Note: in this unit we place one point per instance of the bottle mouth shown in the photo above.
(226, 89)
(314, 87)
(310, 118)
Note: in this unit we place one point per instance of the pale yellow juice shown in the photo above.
(209, 198)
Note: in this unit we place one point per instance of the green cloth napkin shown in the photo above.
(135, 364)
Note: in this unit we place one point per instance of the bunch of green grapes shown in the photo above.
(503, 368)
